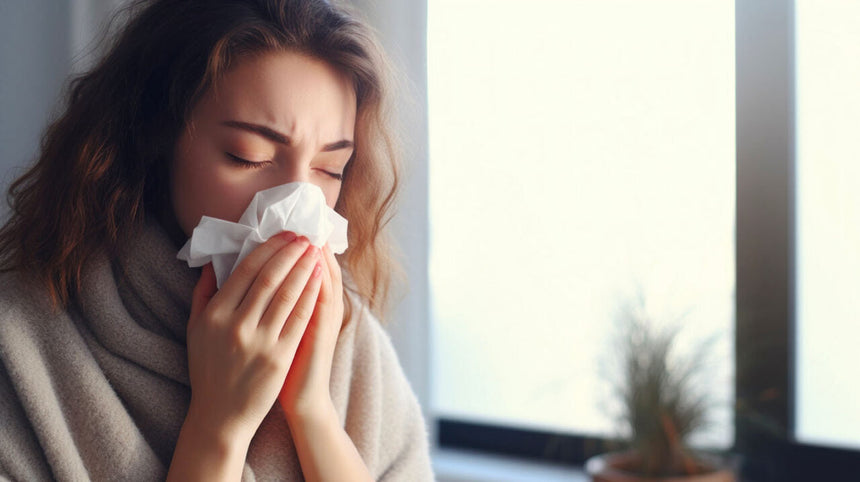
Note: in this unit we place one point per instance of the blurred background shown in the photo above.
(699, 159)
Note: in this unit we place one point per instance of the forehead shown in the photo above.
(296, 93)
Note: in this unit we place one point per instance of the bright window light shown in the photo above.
(828, 222)
(581, 152)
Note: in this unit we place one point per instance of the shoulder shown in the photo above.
(30, 330)
(21, 301)
(29, 327)
(22, 339)
(25, 307)
(12, 290)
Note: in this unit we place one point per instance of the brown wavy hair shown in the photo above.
(103, 164)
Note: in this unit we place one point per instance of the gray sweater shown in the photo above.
(101, 393)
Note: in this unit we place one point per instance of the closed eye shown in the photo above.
(335, 175)
(259, 164)
(246, 163)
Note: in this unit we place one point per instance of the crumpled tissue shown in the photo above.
(298, 207)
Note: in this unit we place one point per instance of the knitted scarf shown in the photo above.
(101, 392)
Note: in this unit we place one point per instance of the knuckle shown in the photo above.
(246, 269)
(269, 281)
(287, 294)
(296, 249)
(279, 239)
(239, 337)
(302, 312)
(309, 260)
(215, 315)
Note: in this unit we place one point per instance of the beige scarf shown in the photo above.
(101, 394)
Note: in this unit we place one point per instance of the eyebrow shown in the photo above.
(276, 136)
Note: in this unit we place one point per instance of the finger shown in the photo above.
(238, 283)
(204, 290)
(333, 291)
(271, 278)
(285, 299)
(325, 285)
(327, 311)
(292, 330)
(334, 270)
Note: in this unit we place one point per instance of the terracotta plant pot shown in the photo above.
(610, 467)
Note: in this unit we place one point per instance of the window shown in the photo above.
(828, 222)
(567, 140)
(581, 153)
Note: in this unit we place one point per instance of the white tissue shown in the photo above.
(298, 207)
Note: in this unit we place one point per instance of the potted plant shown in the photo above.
(660, 406)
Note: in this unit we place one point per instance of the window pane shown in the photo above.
(828, 222)
(579, 152)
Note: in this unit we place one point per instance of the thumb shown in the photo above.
(204, 290)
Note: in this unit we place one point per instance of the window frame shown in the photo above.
(765, 343)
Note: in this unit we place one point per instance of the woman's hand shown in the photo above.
(325, 450)
(242, 338)
(306, 391)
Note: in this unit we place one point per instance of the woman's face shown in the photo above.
(273, 119)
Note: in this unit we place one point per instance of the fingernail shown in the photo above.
(317, 270)
(288, 236)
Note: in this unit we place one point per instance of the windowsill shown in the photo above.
(452, 465)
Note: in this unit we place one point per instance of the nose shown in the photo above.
(296, 170)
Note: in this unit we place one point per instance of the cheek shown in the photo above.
(331, 194)
(203, 187)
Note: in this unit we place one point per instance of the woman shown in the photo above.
(121, 362)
